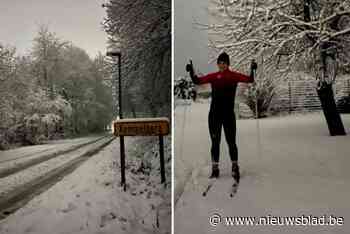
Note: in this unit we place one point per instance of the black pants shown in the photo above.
(222, 118)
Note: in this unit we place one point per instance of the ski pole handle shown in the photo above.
(253, 65)
(189, 67)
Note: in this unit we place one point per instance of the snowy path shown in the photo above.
(90, 200)
(297, 170)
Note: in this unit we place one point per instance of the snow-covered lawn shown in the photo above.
(293, 168)
(90, 200)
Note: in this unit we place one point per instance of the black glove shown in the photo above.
(189, 68)
(253, 65)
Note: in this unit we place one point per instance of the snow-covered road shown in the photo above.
(90, 200)
(18, 159)
(50, 146)
(293, 169)
(16, 182)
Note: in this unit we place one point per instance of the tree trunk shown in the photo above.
(334, 122)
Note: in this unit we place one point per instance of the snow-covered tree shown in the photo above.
(312, 35)
(141, 29)
(55, 91)
(46, 54)
(84, 87)
(7, 62)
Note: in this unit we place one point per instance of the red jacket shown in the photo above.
(227, 77)
(224, 86)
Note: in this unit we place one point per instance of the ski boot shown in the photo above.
(235, 171)
(215, 172)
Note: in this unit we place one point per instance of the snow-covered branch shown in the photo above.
(141, 29)
(279, 29)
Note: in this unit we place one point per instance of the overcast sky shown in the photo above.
(190, 42)
(78, 21)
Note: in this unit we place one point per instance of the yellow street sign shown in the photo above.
(141, 127)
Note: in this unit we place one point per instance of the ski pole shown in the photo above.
(258, 138)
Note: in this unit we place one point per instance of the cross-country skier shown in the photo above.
(221, 114)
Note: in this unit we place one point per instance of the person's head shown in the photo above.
(223, 61)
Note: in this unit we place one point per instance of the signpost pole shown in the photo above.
(161, 157)
(122, 144)
(122, 161)
(142, 127)
(114, 54)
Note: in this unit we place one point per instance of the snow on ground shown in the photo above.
(75, 140)
(90, 199)
(37, 150)
(294, 168)
(12, 162)
(23, 177)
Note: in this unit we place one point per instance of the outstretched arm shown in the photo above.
(199, 80)
(239, 77)
(236, 76)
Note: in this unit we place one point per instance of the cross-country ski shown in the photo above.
(234, 188)
(208, 186)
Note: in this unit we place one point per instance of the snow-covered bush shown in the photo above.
(258, 95)
(33, 128)
(3, 142)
